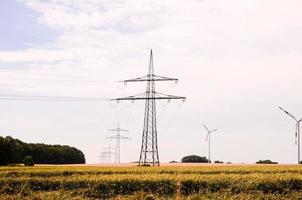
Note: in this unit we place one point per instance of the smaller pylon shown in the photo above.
(117, 137)
(106, 154)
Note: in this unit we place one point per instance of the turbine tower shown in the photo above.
(209, 138)
(149, 147)
(297, 132)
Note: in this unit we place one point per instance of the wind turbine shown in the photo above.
(209, 137)
(297, 132)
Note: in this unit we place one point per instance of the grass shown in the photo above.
(206, 182)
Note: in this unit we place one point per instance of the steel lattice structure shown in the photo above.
(149, 148)
(118, 137)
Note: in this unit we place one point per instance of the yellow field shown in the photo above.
(167, 182)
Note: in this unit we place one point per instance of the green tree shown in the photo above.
(266, 162)
(194, 159)
(6, 151)
(28, 161)
(13, 151)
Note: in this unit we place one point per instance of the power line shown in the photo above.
(59, 75)
(56, 78)
(24, 99)
(12, 97)
(171, 119)
(61, 80)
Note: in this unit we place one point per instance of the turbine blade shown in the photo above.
(288, 113)
(207, 137)
(206, 128)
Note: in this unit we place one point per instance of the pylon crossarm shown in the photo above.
(163, 78)
(118, 137)
(151, 77)
(107, 152)
(118, 129)
(157, 96)
(132, 97)
(168, 96)
(108, 148)
(147, 98)
(111, 137)
(125, 138)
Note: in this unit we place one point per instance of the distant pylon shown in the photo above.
(106, 154)
(149, 148)
(118, 137)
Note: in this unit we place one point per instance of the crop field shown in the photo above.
(168, 182)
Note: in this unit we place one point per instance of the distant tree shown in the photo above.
(16, 149)
(300, 162)
(194, 159)
(266, 162)
(173, 161)
(28, 161)
(6, 151)
(13, 151)
(218, 162)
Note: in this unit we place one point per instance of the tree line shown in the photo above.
(13, 151)
(199, 159)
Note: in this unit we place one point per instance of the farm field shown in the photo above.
(166, 182)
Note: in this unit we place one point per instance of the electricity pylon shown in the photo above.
(149, 148)
(209, 138)
(106, 154)
(297, 131)
(118, 137)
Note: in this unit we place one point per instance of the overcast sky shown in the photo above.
(237, 61)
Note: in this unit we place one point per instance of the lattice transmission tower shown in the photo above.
(106, 154)
(149, 148)
(117, 137)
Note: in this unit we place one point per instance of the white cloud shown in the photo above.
(116, 14)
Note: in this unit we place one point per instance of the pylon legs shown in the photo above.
(149, 148)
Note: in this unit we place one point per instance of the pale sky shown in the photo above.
(237, 61)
